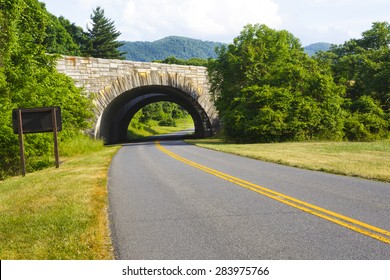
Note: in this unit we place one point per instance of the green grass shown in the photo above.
(152, 128)
(59, 213)
(370, 160)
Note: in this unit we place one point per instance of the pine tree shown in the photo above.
(102, 37)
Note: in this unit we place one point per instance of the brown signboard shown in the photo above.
(37, 120)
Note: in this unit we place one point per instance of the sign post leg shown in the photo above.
(55, 136)
(21, 143)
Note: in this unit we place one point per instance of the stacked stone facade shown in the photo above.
(108, 78)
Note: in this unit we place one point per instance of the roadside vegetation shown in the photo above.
(59, 213)
(159, 118)
(370, 160)
(29, 79)
(268, 90)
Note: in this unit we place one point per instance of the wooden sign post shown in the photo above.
(37, 120)
(21, 143)
(55, 137)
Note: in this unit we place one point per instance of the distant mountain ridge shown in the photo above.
(184, 48)
(317, 47)
(179, 47)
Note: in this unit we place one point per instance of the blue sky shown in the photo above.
(332, 21)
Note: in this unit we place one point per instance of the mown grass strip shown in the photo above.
(59, 213)
(370, 160)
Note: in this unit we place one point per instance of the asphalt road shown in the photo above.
(163, 208)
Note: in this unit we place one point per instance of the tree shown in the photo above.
(102, 37)
(76, 32)
(58, 40)
(267, 89)
(362, 67)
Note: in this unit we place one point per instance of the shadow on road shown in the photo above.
(180, 135)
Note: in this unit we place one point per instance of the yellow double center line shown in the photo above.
(355, 225)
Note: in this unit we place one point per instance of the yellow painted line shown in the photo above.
(347, 222)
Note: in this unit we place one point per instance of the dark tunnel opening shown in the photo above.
(115, 119)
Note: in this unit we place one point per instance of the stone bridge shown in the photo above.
(120, 88)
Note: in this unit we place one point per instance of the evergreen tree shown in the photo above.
(102, 37)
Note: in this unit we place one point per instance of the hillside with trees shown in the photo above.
(179, 47)
(317, 47)
(183, 48)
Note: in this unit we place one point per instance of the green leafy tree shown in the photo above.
(58, 40)
(366, 120)
(363, 67)
(165, 113)
(102, 37)
(363, 64)
(267, 89)
(76, 32)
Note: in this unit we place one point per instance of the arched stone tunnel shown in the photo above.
(117, 115)
(121, 88)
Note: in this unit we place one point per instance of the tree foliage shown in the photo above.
(363, 67)
(78, 35)
(28, 78)
(66, 38)
(191, 61)
(102, 37)
(163, 113)
(58, 39)
(268, 89)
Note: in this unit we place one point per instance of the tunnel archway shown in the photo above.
(105, 80)
(113, 123)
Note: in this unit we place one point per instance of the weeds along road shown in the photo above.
(172, 200)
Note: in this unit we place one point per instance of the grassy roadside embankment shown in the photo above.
(370, 160)
(59, 213)
(152, 128)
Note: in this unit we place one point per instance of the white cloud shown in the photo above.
(222, 20)
(329, 20)
(207, 19)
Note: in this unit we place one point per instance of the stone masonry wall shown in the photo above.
(94, 74)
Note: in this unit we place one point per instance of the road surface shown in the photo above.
(177, 201)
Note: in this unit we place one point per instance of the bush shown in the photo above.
(169, 121)
(367, 121)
